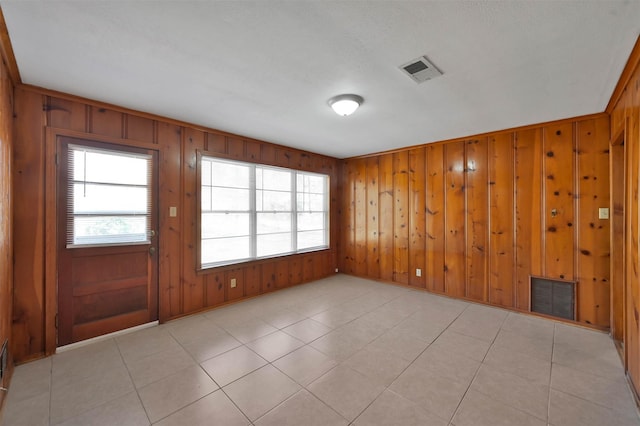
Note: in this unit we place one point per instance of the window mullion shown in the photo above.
(294, 212)
(253, 221)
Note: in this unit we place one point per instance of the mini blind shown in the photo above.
(108, 197)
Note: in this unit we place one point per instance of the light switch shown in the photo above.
(173, 211)
(603, 213)
(233, 283)
(418, 272)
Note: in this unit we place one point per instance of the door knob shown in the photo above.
(152, 250)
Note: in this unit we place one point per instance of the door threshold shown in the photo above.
(96, 339)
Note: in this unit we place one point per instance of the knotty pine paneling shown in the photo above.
(592, 190)
(417, 220)
(182, 289)
(401, 217)
(501, 251)
(528, 186)
(477, 191)
(455, 226)
(558, 207)
(6, 208)
(474, 214)
(434, 218)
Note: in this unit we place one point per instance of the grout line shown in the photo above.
(479, 367)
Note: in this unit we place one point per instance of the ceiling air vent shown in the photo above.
(420, 70)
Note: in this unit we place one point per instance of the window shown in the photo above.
(251, 211)
(109, 199)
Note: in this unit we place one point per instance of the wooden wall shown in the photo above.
(475, 215)
(624, 108)
(6, 199)
(40, 116)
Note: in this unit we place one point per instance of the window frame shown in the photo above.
(203, 268)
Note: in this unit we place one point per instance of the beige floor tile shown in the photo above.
(230, 315)
(436, 314)
(568, 410)
(361, 330)
(174, 392)
(214, 409)
(512, 390)
(31, 379)
(478, 409)
(125, 410)
(337, 345)
(336, 317)
(232, 365)
(302, 409)
(78, 364)
(307, 330)
(346, 391)
(399, 344)
(435, 393)
(511, 360)
(158, 366)
(611, 392)
(447, 364)
(420, 330)
(211, 346)
(282, 318)
(539, 348)
(260, 391)
(479, 322)
(82, 395)
(32, 411)
(456, 343)
(145, 342)
(581, 338)
(604, 362)
(250, 330)
(379, 366)
(304, 365)
(392, 409)
(192, 328)
(275, 345)
(529, 326)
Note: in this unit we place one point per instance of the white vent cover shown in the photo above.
(420, 70)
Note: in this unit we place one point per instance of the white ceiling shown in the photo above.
(265, 69)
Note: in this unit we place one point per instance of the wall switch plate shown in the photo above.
(173, 211)
(603, 213)
(233, 283)
(418, 272)
(336, 270)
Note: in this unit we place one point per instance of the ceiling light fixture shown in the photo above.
(345, 104)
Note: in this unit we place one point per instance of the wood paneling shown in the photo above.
(477, 218)
(182, 290)
(417, 220)
(558, 202)
(455, 240)
(475, 215)
(400, 217)
(434, 218)
(385, 217)
(501, 207)
(592, 258)
(6, 208)
(528, 183)
(28, 226)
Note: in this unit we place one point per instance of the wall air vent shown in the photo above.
(420, 70)
(555, 298)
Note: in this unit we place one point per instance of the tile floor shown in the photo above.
(338, 351)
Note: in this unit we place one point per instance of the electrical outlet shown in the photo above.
(336, 270)
(233, 283)
(173, 211)
(418, 272)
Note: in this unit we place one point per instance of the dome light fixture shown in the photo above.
(345, 104)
